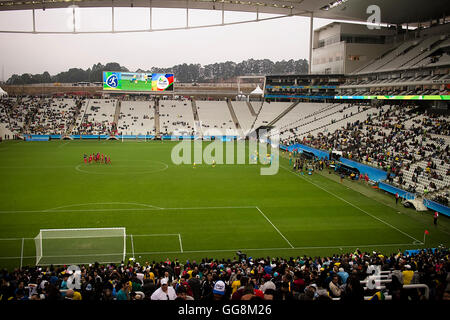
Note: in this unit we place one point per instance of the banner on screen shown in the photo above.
(132, 81)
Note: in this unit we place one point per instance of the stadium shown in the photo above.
(331, 184)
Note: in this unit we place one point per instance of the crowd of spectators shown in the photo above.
(54, 116)
(6, 104)
(323, 118)
(397, 139)
(243, 278)
(173, 122)
(98, 118)
(19, 112)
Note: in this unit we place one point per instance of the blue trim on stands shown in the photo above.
(417, 251)
(297, 96)
(131, 136)
(36, 137)
(374, 174)
(391, 189)
(318, 153)
(432, 205)
(169, 137)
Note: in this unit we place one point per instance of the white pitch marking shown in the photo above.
(277, 249)
(63, 144)
(102, 203)
(21, 253)
(390, 206)
(275, 228)
(150, 208)
(132, 245)
(386, 223)
(181, 244)
(156, 235)
(247, 249)
(77, 168)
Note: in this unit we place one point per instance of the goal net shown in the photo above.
(80, 246)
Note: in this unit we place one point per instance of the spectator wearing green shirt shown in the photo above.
(124, 293)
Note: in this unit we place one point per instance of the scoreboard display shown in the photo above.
(132, 81)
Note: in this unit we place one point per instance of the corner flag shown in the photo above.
(425, 234)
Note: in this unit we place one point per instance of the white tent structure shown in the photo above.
(258, 91)
(3, 93)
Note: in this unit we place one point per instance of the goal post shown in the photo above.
(80, 246)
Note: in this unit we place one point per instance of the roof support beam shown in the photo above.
(311, 32)
(73, 19)
(34, 22)
(187, 14)
(223, 15)
(112, 16)
(151, 15)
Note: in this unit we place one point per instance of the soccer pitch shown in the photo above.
(178, 211)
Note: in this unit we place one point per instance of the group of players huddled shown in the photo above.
(98, 158)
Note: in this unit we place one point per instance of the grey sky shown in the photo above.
(278, 39)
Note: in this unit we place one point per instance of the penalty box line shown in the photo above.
(278, 249)
(241, 249)
(275, 227)
(125, 209)
(217, 250)
(342, 199)
(157, 235)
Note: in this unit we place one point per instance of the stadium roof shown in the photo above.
(392, 12)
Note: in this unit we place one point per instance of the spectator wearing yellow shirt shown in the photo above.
(407, 275)
(236, 284)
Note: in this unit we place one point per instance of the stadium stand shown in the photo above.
(20, 114)
(137, 118)
(409, 140)
(176, 117)
(6, 104)
(409, 54)
(242, 111)
(398, 139)
(214, 115)
(325, 119)
(357, 276)
(268, 112)
(54, 116)
(97, 117)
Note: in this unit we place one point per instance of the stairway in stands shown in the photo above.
(31, 114)
(116, 117)
(250, 107)
(233, 115)
(157, 122)
(80, 115)
(285, 112)
(75, 116)
(197, 124)
(255, 113)
(117, 113)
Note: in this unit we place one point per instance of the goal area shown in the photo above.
(80, 246)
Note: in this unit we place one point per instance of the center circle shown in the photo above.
(123, 167)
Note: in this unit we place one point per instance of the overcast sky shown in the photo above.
(278, 39)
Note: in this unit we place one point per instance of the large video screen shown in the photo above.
(131, 81)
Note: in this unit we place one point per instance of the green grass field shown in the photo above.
(128, 85)
(182, 212)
